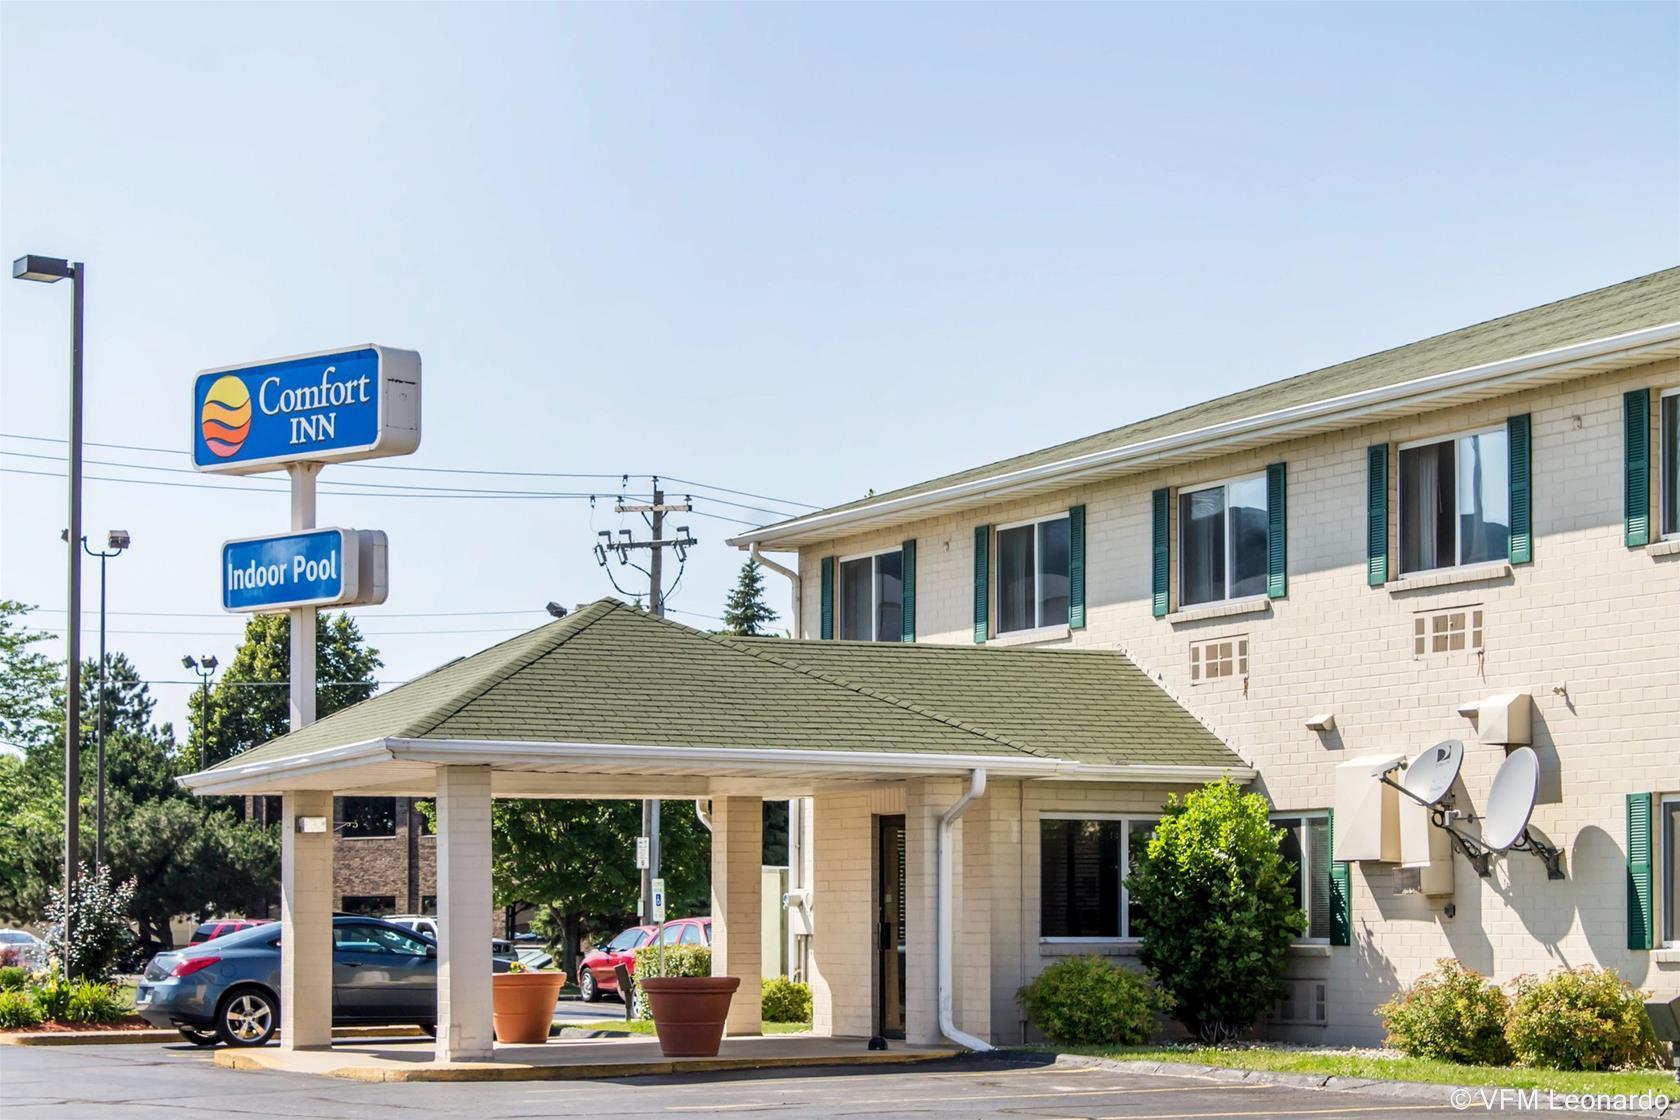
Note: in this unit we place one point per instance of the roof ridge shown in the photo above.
(564, 631)
(728, 641)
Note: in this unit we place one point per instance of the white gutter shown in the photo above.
(793, 577)
(703, 810)
(944, 941)
(1348, 407)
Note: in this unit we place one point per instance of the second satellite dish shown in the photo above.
(1431, 774)
(1511, 799)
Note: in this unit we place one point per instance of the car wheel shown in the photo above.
(638, 1004)
(587, 990)
(247, 1017)
(199, 1038)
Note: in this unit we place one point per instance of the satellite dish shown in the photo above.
(1511, 799)
(1431, 774)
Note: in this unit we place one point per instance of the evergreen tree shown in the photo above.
(746, 613)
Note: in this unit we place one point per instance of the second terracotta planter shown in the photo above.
(689, 1011)
(523, 1004)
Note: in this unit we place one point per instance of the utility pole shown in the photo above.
(655, 513)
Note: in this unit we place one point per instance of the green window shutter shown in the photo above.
(909, 577)
(1341, 894)
(1522, 489)
(828, 596)
(1636, 481)
(1076, 568)
(1641, 927)
(1160, 550)
(1277, 531)
(982, 582)
(1376, 515)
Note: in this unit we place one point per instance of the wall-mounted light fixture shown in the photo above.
(1325, 722)
(311, 824)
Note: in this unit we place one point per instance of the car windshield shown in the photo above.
(16, 936)
(629, 939)
(248, 936)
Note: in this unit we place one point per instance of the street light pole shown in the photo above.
(117, 540)
(50, 270)
(205, 667)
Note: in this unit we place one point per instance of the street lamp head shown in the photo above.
(45, 270)
(557, 610)
(187, 662)
(209, 662)
(117, 539)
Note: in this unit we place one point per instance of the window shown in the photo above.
(1306, 844)
(358, 938)
(1668, 456)
(1446, 631)
(371, 904)
(872, 597)
(1222, 541)
(1032, 579)
(628, 940)
(1455, 501)
(368, 817)
(1669, 868)
(670, 936)
(1218, 658)
(691, 934)
(1082, 863)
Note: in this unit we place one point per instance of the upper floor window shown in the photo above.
(1222, 540)
(1306, 844)
(1669, 458)
(872, 597)
(1032, 574)
(1455, 501)
(368, 817)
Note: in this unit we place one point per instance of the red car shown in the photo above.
(216, 927)
(596, 971)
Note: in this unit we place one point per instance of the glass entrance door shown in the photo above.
(889, 927)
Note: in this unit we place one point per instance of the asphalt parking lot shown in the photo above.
(143, 1082)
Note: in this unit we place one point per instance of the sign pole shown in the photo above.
(303, 477)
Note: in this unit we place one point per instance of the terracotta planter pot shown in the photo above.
(688, 1012)
(522, 1004)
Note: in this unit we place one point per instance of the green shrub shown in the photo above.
(1091, 1001)
(786, 1001)
(98, 912)
(678, 960)
(13, 977)
(1585, 1018)
(93, 1002)
(1451, 1014)
(1218, 912)
(18, 1009)
(52, 995)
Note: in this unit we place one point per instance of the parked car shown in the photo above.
(534, 956)
(217, 927)
(31, 951)
(500, 948)
(228, 989)
(597, 971)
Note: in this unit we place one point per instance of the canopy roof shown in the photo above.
(611, 690)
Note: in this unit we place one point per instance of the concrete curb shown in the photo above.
(135, 1038)
(1424, 1092)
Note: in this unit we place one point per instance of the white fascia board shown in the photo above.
(1647, 344)
(311, 762)
(1154, 773)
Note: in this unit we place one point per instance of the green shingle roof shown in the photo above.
(613, 675)
(1634, 304)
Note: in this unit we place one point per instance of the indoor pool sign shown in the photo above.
(312, 568)
(359, 403)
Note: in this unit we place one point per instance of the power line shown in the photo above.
(349, 610)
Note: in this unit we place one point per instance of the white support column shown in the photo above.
(843, 951)
(925, 801)
(972, 858)
(737, 905)
(306, 905)
(465, 1031)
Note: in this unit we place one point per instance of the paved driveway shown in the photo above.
(158, 1082)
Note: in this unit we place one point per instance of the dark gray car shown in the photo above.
(228, 989)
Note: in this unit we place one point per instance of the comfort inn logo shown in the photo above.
(225, 418)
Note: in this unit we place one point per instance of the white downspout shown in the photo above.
(703, 810)
(943, 941)
(793, 577)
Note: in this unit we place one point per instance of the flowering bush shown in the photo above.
(1091, 1001)
(98, 916)
(1451, 1014)
(1584, 1018)
(678, 960)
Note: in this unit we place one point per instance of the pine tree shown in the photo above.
(746, 613)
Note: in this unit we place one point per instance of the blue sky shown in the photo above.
(798, 250)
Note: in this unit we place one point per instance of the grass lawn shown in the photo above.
(1375, 1068)
(644, 1026)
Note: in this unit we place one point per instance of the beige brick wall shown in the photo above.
(1591, 629)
